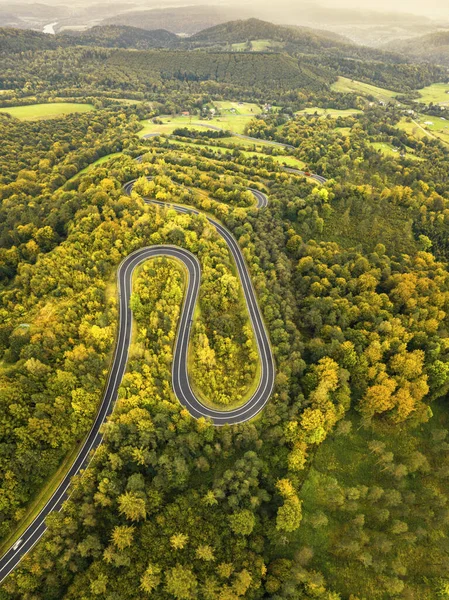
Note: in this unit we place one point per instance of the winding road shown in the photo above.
(180, 378)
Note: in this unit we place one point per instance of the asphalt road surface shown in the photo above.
(180, 378)
(318, 178)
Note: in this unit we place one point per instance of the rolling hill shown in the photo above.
(433, 47)
(122, 36)
(290, 38)
(111, 36)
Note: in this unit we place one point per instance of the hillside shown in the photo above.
(111, 36)
(296, 41)
(276, 71)
(122, 36)
(235, 32)
(433, 47)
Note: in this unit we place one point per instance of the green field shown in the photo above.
(240, 108)
(34, 112)
(345, 131)
(438, 93)
(345, 86)
(289, 161)
(235, 122)
(427, 126)
(439, 128)
(98, 162)
(412, 129)
(329, 112)
(256, 46)
(390, 150)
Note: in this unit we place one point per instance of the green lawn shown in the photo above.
(345, 85)
(34, 112)
(329, 112)
(436, 125)
(438, 93)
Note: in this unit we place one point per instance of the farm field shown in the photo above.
(438, 93)
(345, 85)
(35, 112)
(329, 112)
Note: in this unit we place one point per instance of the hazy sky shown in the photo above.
(430, 7)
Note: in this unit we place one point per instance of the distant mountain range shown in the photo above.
(250, 34)
(242, 35)
(365, 27)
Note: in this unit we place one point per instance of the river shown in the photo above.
(50, 28)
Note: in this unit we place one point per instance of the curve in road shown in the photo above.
(180, 379)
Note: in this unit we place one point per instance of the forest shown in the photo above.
(339, 488)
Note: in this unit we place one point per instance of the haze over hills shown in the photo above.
(362, 25)
(182, 20)
(233, 36)
(433, 47)
(122, 36)
(252, 29)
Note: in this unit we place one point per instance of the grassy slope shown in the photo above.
(34, 112)
(290, 161)
(427, 126)
(332, 112)
(241, 108)
(389, 150)
(235, 122)
(438, 93)
(345, 85)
